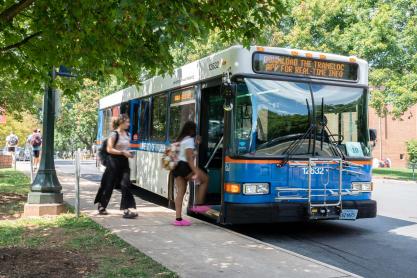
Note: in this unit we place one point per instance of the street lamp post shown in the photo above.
(46, 197)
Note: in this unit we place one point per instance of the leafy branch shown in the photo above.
(22, 42)
(8, 14)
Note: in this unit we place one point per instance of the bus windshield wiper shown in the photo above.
(332, 140)
(294, 146)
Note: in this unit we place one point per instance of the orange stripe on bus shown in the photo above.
(362, 162)
(252, 161)
(135, 145)
(228, 159)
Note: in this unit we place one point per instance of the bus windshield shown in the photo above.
(271, 115)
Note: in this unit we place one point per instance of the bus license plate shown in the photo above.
(348, 214)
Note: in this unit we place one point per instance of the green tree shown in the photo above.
(77, 125)
(100, 39)
(22, 127)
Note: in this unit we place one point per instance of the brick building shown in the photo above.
(393, 135)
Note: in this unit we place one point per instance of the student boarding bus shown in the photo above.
(284, 133)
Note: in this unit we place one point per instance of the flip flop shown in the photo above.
(200, 208)
(183, 222)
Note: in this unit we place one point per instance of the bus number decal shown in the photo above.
(214, 65)
(314, 171)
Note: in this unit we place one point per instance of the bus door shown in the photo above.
(211, 147)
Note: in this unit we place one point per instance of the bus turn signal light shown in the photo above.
(233, 188)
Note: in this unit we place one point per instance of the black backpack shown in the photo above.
(102, 151)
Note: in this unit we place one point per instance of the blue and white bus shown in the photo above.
(285, 133)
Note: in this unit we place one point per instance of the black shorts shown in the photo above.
(11, 149)
(36, 153)
(182, 169)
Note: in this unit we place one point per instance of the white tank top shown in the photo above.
(122, 142)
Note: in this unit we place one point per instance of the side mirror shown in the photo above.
(228, 91)
(372, 134)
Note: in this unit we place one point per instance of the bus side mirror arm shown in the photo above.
(228, 92)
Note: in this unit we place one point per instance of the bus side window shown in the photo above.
(159, 118)
(134, 122)
(181, 110)
(125, 108)
(143, 120)
(107, 116)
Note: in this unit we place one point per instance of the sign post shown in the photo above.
(46, 197)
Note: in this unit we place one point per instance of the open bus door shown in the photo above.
(214, 128)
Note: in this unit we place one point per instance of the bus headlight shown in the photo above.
(362, 186)
(255, 188)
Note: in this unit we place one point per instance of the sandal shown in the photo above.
(183, 222)
(102, 211)
(130, 215)
(200, 208)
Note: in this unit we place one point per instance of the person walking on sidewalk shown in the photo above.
(11, 142)
(117, 170)
(35, 140)
(185, 170)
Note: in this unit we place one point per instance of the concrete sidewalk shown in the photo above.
(201, 250)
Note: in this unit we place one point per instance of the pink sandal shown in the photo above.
(183, 222)
(200, 208)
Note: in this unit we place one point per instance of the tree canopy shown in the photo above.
(99, 39)
(382, 32)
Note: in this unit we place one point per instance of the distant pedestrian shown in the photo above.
(11, 142)
(185, 170)
(35, 140)
(117, 170)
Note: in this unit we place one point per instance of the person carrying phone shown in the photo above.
(117, 170)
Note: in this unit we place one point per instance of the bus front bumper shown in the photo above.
(286, 212)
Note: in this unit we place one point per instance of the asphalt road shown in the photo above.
(385, 246)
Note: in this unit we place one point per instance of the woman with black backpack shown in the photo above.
(117, 170)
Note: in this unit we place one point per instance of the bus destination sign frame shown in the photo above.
(281, 64)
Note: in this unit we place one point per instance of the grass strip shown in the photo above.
(394, 173)
(78, 238)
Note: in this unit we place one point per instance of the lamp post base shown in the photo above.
(33, 210)
(41, 203)
(45, 198)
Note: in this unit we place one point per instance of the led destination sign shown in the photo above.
(300, 66)
(182, 96)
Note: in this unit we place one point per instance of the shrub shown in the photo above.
(412, 151)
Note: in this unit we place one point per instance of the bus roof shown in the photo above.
(236, 59)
